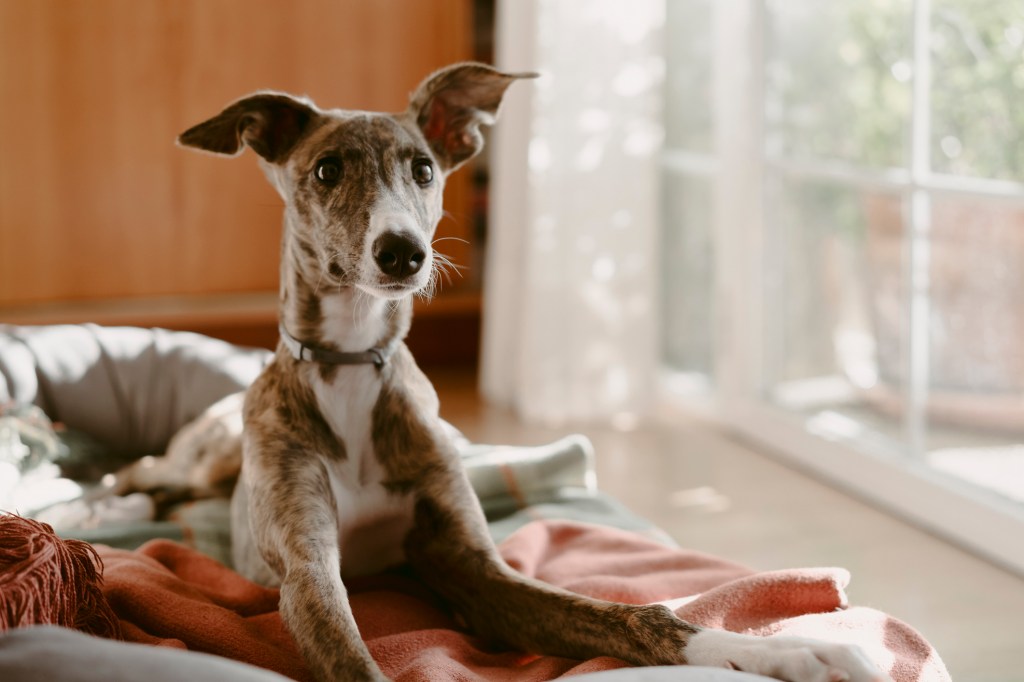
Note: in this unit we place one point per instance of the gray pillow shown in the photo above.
(129, 388)
(47, 654)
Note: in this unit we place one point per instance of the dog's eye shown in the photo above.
(328, 171)
(423, 172)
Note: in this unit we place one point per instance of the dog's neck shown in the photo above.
(342, 319)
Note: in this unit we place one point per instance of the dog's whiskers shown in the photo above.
(440, 265)
(392, 309)
(427, 292)
(320, 278)
(332, 257)
(452, 239)
(362, 301)
(444, 265)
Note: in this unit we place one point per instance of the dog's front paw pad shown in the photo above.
(793, 659)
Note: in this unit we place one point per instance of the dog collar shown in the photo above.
(377, 356)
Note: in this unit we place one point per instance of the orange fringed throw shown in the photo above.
(47, 580)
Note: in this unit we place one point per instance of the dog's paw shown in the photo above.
(793, 659)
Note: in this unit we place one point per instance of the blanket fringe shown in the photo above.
(48, 580)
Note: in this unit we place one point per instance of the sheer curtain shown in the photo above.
(570, 331)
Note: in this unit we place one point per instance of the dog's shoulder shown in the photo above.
(407, 390)
(281, 409)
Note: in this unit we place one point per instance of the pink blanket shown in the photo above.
(167, 594)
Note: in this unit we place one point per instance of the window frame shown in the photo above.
(900, 483)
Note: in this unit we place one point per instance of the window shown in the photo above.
(844, 234)
(688, 176)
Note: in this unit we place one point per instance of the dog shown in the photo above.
(347, 469)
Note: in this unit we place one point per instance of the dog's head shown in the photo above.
(362, 190)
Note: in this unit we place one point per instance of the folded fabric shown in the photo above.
(522, 474)
(167, 594)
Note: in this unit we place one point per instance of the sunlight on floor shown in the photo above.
(704, 498)
(1000, 469)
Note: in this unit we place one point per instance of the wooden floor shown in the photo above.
(714, 494)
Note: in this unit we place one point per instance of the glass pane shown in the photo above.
(835, 309)
(688, 97)
(978, 88)
(838, 80)
(976, 396)
(687, 274)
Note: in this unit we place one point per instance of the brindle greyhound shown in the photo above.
(347, 469)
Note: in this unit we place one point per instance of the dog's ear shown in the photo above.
(451, 104)
(268, 122)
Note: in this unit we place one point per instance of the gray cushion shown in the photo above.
(129, 388)
(47, 654)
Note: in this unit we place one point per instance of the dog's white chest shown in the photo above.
(372, 525)
(372, 522)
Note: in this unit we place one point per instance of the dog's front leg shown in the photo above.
(292, 517)
(452, 551)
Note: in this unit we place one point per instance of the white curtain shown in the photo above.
(570, 297)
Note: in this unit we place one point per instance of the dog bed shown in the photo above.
(120, 393)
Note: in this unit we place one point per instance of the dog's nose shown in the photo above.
(398, 255)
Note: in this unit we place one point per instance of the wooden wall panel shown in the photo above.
(97, 202)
